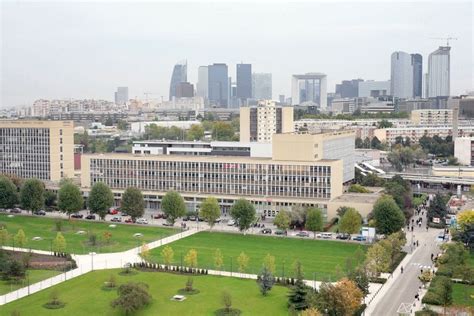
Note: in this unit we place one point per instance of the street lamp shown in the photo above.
(92, 260)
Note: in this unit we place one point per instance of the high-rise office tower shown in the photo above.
(262, 86)
(121, 96)
(439, 72)
(282, 99)
(417, 61)
(180, 74)
(309, 88)
(348, 88)
(218, 85)
(401, 78)
(244, 82)
(202, 87)
(184, 90)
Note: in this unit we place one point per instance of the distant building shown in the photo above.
(202, 87)
(374, 89)
(417, 62)
(244, 83)
(432, 117)
(259, 123)
(262, 86)
(184, 90)
(464, 150)
(309, 88)
(121, 96)
(282, 99)
(414, 133)
(180, 74)
(401, 78)
(218, 85)
(348, 88)
(439, 72)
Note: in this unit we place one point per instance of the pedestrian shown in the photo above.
(414, 244)
(412, 228)
(401, 269)
(421, 270)
(417, 244)
(432, 255)
(417, 296)
(426, 227)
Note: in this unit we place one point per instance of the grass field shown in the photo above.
(122, 235)
(463, 295)
(33, 276)
(84, 296)
(316, 256)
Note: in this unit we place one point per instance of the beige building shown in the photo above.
(453, 172)
(37, 149)
(259, 123)
(464, 150)
(432, 117)
(414, 133)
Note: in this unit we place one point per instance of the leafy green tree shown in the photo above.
(31, 195)
(343, 298)
(298, 292)
(195, 132)
(8, 193)
(210, 210)
(384, 124)
(218, 259)
(357, 188)
(4, 236)
(282, 220)
(269, 263)
(314, 221)
(243, 261)
(223, 131)
(227, 302)
(266, 281)
(437, 208)
(378, 258)
(132, 297)
(351, 222)
(133, 203)
(59, 243)
(50, 198)
(173, 206)
(360, 277)
(70, 198)
(122, 125)
(342, 210)
(243, 212)
(388, 216)
(445, 291)
(191, 258)
(20, 238)
(100, 199)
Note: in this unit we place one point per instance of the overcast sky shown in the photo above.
(86, 50)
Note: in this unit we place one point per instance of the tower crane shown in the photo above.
(447, 39)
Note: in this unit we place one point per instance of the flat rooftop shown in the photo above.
(357, 198)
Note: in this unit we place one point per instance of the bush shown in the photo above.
(54, 302)
(378, 280)
(436, 225)
(431, 298)
(357, 188)
(445, 271)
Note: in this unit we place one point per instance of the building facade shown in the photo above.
(414, 133)
(464, 150)
(374, 89)
(348, 88)
(262, 86)
(184, 90)
(121, 96)
(244, 83)
(259, 123)
(37, 149)
(180, 74)
(432, 117)
(309, 88)
(202, 86)
(439, 72)
(417, 62)
(218, 85)
(401, 78)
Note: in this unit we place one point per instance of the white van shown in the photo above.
(326, 235)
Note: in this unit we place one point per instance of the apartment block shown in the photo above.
(414, 133)
(464, 150)
(432, 117)
(37, 149)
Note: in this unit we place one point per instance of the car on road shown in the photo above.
(15, 210)
(167, 224)
(280, 232)
(77, 215)
(158, 216)
(359, 238)
(266, 231)
(343, 236)
(141, 221)
(129, 220)
(326, 235)
(90, 216)
(40, 212)
(302, 234)
(231, 223)
(113, 211)
(116, 219)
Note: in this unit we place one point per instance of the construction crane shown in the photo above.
(447, 39)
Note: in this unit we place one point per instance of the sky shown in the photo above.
(87, 49)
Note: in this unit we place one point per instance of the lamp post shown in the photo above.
(92, 260)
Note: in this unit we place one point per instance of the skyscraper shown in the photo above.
(218, 85)
(348, 88)
(202, 87)
(184, 90)
(121, 96)
(244, 82)
(439, 72)
(417, 61)
(401, 75)
(262, 86)
(180, 74)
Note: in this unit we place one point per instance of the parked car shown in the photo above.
(90, 216)
(124, 214)
(141, 221)
(359, 238)
(167, 224)
(280, 232)
(40, 212)
(302, 234)
(158, 216)
(15, 210)
(113, 211)
(129, 220)
(231, 223)
(326, 235)
(343, 236)
(116, 219)
(266, 231)
(77, 215)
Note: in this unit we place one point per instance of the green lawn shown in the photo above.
(122, 235)
(316, 256)
(84, 296)
(463, 294)
(33, 276)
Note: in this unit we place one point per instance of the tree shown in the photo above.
(342, 210)
(357, 188)
(465, 219)
(145, 252)
(360, 277)
(298, 292)
(195, 132)
(173, 206)
(50, 198)
(269, 263)
(4, 236)
(167, 253)
(218, 259)
(282, 220)
(8, 193)
(378, 258)
(31, 195)
(425, 277)
(243, 212)
(314, 221)
(388, 216)
(351, 222)
(376, 143)
(344, 298)
(133, 203)
(59, 243)
(191, 258)
(20, 238)
(437, 208)
(226, 301)
(222, 131)
(100, 199)
(266, 281)
(122, 125)
(132, 297)
(445, 291)
(107, 235)
(310, 312)
(359, 143)
(243, 261)
(384, 124)
(210, 210)
(70, 198)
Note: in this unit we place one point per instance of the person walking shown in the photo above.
(401, 270)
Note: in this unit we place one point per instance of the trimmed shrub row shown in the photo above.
(159, 267)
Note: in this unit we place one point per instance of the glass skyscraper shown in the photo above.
(417, 61)
(439, 72)
(218, 85)
(180, 74)
(244, 82)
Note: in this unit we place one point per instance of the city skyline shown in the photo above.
(96, 54)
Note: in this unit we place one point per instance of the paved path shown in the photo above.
(403, 287)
